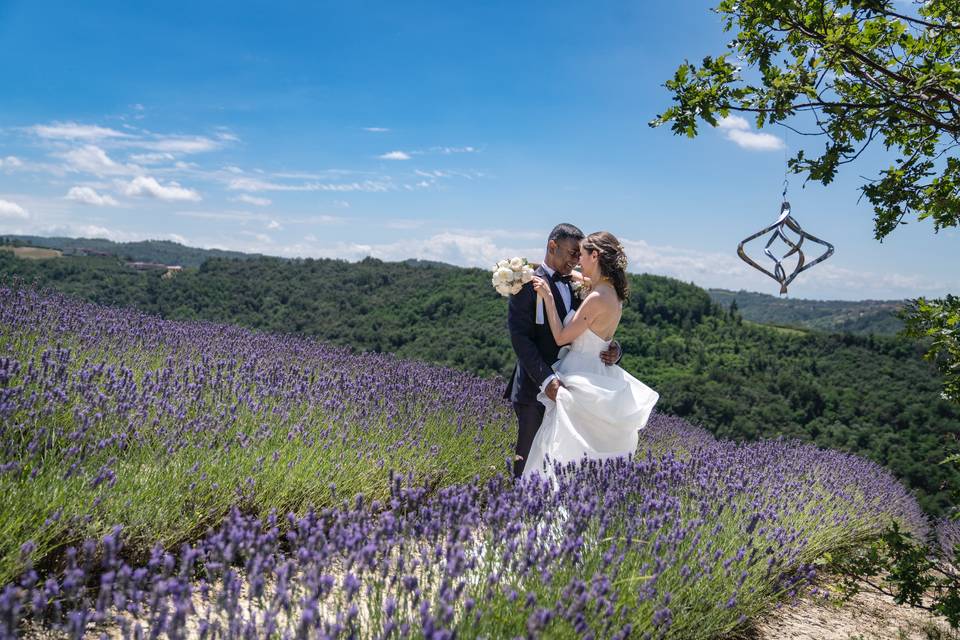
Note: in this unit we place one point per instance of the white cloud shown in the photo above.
(11, 162)
(462, 248)
(262, 238)
(254, 184)
(182, 144)
(75, 131)
(447, 173)
(227, 136)
(243, 217)
(327, 174)
(737, 130)
(152, 158)
(449, 150)
(238, 216)
(88, 195)
(80, 230)
(376, 129)
(12, 210)
(148, 186)
(318, 219)
(141, 139)
(254, 200)
(92, 159)
(395, 155)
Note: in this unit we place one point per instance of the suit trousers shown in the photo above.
(529, 417)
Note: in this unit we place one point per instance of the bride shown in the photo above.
(599, 409)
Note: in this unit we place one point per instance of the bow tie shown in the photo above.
(557, 277)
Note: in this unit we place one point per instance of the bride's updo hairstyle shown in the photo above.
(612, 260)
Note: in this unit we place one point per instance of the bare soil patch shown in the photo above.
(868, 616)
(33, 253)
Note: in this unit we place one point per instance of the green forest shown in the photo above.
(862, 317)
(161, 251)
(871, 394)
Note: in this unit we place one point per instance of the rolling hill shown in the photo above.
(861, 317)
(871, 395)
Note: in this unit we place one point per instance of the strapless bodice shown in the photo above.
(588, 341)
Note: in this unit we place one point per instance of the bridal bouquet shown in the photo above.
(510, 275)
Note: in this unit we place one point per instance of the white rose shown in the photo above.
(503, 264)
(516, 263)
(515, 289)
(504, 274)
(526, 275)
(504, 289)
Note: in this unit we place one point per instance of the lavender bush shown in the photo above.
(948, 538)
(146, 465)
(114, 417)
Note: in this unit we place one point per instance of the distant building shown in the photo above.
(147, 266)
(86, 251)
(169, 270)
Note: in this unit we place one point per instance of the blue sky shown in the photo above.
(449, 131)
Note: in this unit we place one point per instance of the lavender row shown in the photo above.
(685, 546)
(110, 416)
(125, 437)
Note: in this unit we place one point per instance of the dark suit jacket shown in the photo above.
(533, 343)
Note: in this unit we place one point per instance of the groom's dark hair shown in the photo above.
(565, 230)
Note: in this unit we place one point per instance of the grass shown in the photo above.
(33, 253)
(776, 328)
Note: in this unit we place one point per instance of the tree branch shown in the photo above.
(913, 20)
(866, 60)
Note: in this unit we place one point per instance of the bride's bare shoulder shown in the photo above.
(607, 295)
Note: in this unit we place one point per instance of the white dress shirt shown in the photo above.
(565, 295)
(562, 287)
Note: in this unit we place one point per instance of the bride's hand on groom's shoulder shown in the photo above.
(542, 288)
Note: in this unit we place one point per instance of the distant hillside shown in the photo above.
(861, 317)
(871, 395)
(162, 251)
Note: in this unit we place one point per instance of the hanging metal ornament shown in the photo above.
(785, 222)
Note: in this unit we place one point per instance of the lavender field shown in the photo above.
(196, 479)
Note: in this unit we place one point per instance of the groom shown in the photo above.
(533, 341)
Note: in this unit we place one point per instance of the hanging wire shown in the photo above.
(785, 222)
(786, 165)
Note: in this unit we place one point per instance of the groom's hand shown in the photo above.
(611, 355)
(552, 389)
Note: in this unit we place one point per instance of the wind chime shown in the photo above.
(785, 224)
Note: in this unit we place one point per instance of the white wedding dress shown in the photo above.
(598, 413)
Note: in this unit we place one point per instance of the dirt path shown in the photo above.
(869, 616)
